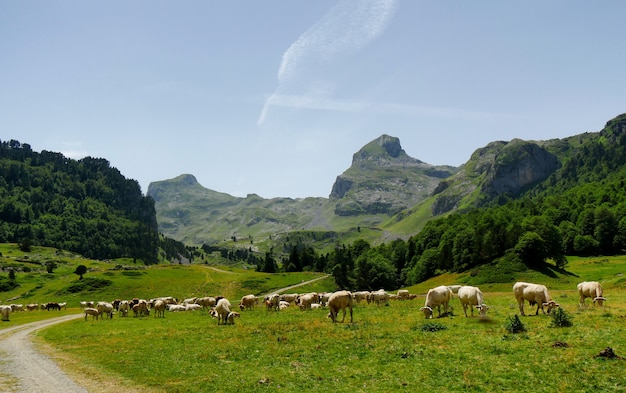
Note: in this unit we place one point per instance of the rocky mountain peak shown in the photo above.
(383, 149)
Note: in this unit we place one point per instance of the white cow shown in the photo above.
(272, 302)
(221, 311)
(91, 311)
(591, 289)
(247, 302)
(159, 309)
(362, 295)
(436, 297)
(305, 301)
(472, 297)
(206, 302)
(289, 297)
(535, 294)
(105, 308)
(6, 312)
(340, 300)
(380, 297)
(403, 294)
(123, 308)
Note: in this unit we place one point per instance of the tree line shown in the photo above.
(85, 206)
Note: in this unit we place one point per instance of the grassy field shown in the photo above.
(390, 348)
(386, 349)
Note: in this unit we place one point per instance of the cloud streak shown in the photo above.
(383, 108)
(347, 27)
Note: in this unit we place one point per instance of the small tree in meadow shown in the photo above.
(560, 318)
(80, 271)
(515, 325)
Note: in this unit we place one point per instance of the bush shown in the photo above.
(560, 318)
(515, 325)
(85, 285)
(432, 327)
(6, 284)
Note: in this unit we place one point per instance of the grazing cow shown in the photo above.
(32, 306)
(403, 294)
(206, 302)
(340, 300)
(361, 295)
(247, 302)
(436, 297)
(535, 294)
(159, 309)
(324, 297)
(140, 309)
(53, 306)
(230, 318)
(221, 311)
(591, 289)
(380, 297)
(6, 312)
(91, 311)
(63, 306)
(105, 308)
(289, 297)
(305, 301)
(472, 297)
(272, 302)
(83, 304)
(123, 308)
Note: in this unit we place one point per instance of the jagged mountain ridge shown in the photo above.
(376, 191)
(381, 181)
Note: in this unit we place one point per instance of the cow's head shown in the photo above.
(428, 312)
(482, 309)
(600, 300)
(551, 305)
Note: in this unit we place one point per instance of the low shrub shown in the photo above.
(515, 325)
(432, 327)
(85, 285)
(560, 318)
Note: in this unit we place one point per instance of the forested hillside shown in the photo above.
(84, 206)
(580, 209)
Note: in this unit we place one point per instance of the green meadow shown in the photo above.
(386, 349)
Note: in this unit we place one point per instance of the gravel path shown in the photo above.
(24, 370)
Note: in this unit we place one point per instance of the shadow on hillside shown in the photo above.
(551, 271)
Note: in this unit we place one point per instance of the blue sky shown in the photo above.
(274, 97)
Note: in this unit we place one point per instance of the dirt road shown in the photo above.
(24, 370)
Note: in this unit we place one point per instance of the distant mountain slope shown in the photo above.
(389, 193)
(382, 180)
(191, 213)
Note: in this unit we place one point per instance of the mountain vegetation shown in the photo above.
(85, 206)
(514, 205)
(391, 221)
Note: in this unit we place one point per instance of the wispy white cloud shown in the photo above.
(326, 103)
(348, 26)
